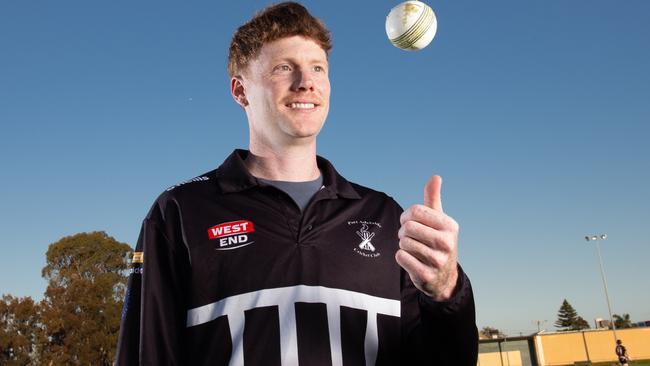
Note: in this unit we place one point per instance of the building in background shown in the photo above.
(563, 348)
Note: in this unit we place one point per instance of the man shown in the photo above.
(621, 353)
(274, 258)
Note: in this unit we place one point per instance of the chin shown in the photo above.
(304, 134)
(304, 129)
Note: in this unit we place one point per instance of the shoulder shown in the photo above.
(197, 186)
(349, 189)
(187, 190)
(375, 196)
(186, 183)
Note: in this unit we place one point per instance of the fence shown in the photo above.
(516, 351)
(563, 348)
(566, 348)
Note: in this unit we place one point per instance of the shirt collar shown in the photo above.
(233, 176)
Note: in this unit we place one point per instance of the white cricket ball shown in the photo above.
(411, 25)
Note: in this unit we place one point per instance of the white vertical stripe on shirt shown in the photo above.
(371, 342)
(334, 326)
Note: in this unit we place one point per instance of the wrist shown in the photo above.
(448, 289)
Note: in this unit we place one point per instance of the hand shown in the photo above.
(428, 241)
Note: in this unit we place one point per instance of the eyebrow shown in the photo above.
(294, 60)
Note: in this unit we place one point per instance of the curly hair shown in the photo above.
(272, 23)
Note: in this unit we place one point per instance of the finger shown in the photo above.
(432, 238)
(412, 265)
(429, 217)
(426, 255)
(418, 272)
(432, 193)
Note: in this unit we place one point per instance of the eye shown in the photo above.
(319, 68)
(283, 67)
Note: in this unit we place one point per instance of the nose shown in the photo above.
(303, 80)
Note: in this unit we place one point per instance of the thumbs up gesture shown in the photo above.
(428, 241)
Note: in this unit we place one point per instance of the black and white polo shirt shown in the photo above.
(228, 271)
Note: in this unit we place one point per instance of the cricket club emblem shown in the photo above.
(366, 236)
(365, 247)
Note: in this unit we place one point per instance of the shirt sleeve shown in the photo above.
(154, 313)
(439, 333)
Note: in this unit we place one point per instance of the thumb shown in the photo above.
(432, 193)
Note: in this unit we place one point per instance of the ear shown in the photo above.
(237, 91)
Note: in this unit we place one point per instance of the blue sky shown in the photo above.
(536, 114)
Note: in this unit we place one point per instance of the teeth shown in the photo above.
(301, 105)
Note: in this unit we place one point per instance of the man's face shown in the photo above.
(287, 91)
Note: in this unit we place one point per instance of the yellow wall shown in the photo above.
(567, 348)
(489, 359)
(511, 358)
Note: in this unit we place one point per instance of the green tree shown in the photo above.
(81, 309)
(622, 322)
(568, 318)
(580, 324)
(19, 324)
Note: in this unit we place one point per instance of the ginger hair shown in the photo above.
(277, 21)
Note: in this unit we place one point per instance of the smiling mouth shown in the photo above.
(302, 105)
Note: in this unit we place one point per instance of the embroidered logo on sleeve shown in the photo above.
(138, 257)
(136, 263)
(196, 179)
(232, 235)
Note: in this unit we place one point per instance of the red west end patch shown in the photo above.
(230, 228)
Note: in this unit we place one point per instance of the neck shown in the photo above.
(287, 163)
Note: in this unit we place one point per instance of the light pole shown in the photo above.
(597, 239)
(539, 324)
